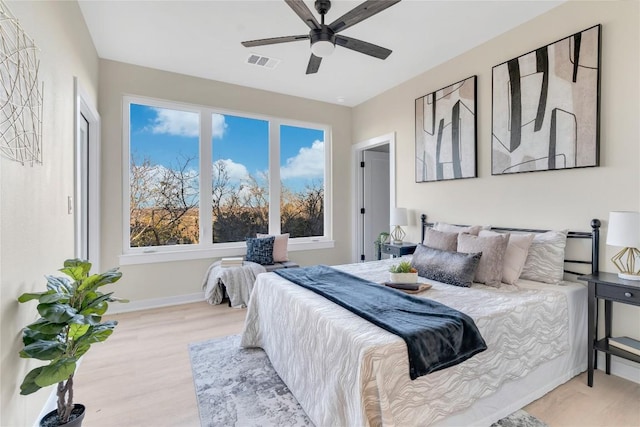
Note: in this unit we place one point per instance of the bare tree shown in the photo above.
(164, 203)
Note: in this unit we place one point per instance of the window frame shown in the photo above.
(205, 248)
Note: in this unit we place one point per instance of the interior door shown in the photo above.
(376, 199)
(82, 190)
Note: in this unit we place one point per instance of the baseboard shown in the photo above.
(621, 368)
(147, 304)
(50, 405)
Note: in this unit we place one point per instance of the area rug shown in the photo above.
(239, 387)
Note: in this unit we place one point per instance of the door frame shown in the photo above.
(358, 199)
(84, 107)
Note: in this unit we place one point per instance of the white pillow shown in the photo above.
(515, 256)
(280, 253)
(545, 261)
(450, 228)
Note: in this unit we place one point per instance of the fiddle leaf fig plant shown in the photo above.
(70, 322)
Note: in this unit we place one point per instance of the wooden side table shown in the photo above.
(405, 248)
(610, 288)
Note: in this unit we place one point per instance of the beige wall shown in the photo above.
(35, 230)
(165, 280)
(555, 199)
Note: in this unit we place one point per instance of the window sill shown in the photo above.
(188, 254)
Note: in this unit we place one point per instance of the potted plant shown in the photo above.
(71, 311)
(381, 240)
(403, 273)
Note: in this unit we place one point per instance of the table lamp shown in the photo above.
(624, 231)
(398, 217)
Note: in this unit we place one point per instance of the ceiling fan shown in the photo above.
(324, 37)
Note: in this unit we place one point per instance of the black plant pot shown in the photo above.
(75, 420)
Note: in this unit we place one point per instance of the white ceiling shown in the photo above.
(202, 38)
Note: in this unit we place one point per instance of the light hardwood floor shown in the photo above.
(141, 376)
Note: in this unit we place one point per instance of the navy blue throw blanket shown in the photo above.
(437, 336)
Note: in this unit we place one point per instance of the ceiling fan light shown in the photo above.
(322, 48)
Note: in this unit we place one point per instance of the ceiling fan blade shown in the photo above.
(360, 13)
(304, 13)
(314, 64)
(275, 40)
(363, 47)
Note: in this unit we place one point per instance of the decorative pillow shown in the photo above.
(515, 256)
(450, 228)
(492, 248)
(454, 268)
(280, 253)
(260, 250)
(545, 261)
(441, 240)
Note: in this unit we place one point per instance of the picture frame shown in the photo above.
(446, 133)
(546, 107)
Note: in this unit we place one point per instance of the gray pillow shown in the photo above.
(493, 249)
(441, 240)
(453, 268)
(545, 260)
(515, 256)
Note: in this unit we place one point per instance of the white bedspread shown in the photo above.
(346, 371)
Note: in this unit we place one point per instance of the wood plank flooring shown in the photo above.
(141, 376)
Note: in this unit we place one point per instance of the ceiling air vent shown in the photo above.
(262, 61)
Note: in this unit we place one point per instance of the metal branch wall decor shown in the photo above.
(21, 97)
(446, 133)
(546, 107)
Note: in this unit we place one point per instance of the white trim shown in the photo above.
(85, 107)
(206, 170)
(170, 253)
(621, 368)
(356, 185)
(147, 304)
(274, 174)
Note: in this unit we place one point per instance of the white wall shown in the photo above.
(172, 279)
(36, 233)
(553, 199)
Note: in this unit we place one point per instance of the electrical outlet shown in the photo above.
(69, 205)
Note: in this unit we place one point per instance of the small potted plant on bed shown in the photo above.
(403, 273)
(71, 311)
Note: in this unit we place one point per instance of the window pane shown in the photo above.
(163, 176)
(240, 199)
(302, 174)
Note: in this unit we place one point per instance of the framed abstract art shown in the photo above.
(446, 133)
(546, 107)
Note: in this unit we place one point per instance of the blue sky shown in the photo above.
(241, 143)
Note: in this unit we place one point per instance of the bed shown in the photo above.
(346, 371)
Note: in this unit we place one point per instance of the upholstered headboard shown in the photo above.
(594, 235)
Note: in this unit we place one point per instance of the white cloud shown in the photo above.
(237, 172)
(218, 125)
(185, 123)
(308, 163)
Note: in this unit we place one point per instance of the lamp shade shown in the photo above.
(624, 229)
(398, 216)
(322, 48)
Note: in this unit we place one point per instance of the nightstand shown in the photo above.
(609, 287)
(404, 248)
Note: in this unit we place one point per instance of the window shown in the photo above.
(240, 196)
(200, 181)
(302, 176)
